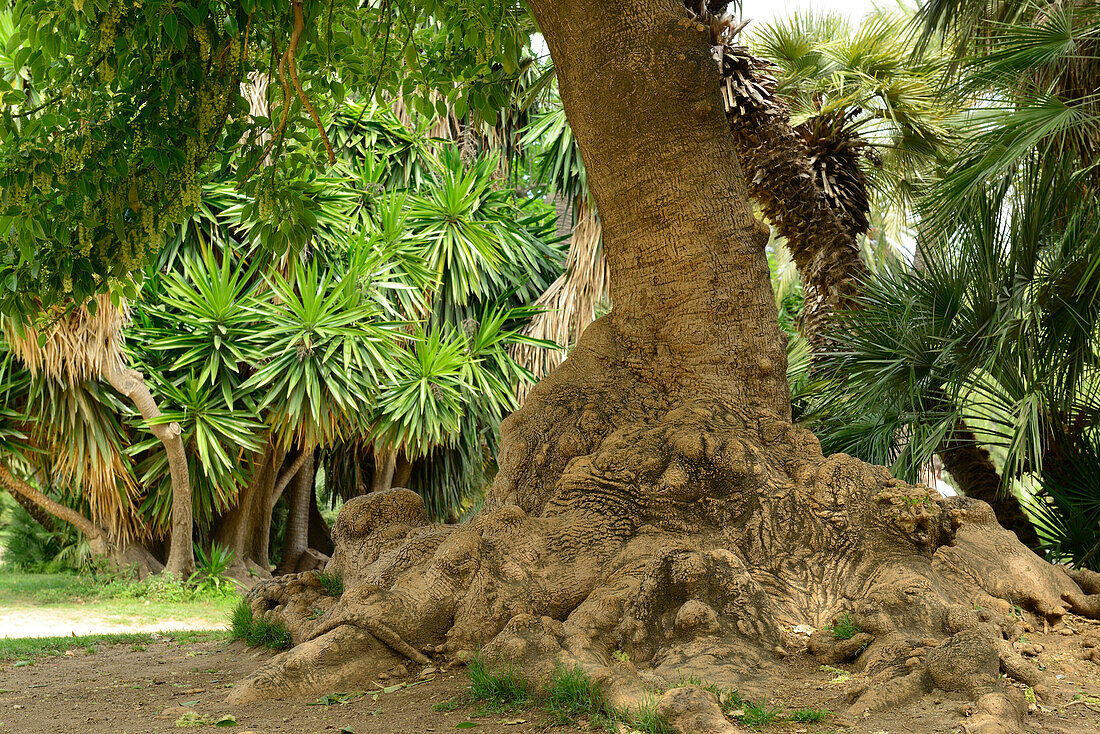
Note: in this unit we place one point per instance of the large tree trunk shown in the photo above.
(296, 540)
(653, 497)
(384, 468)
(320, 534)
(246, 528)
(181, 554)
(38, 513)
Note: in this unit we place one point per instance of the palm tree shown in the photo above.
(85, 343)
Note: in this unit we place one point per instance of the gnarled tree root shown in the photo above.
(691, 545)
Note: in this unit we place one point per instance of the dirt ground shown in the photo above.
(166, 686)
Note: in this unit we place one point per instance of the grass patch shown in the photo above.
(646, 719)
(257, 631)
(69, 588)
(760, 715)
(12, 648)
(572, 698)
(332, 583)
(571, 695)
(808, 716)
(844, 627)
(503, 689)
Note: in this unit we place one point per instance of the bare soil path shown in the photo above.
(168, 685)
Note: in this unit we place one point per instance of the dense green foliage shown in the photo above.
(87, 203)
(999, 325)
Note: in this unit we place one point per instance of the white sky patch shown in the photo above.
(763, 11)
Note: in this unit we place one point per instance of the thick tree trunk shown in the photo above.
(297, 523)
(973, 470)
(247, 525)
(384, 467)
(653, 498)
(181, 555)
(320, 535)
(403, 472)
(38, 513)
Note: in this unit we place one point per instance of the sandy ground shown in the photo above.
(163, 686)
(54, 622)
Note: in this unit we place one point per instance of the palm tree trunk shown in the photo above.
(38, 513)
(782, 180)
(973, 470)
(248, 519)
(403, 473)
(181, 554)
(320, 535)
(297, 522)
(384, 467)
(97, 536)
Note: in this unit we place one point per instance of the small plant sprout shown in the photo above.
(332, 583)
(844, 627)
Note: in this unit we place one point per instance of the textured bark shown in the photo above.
(296, 540)
(320, 534)
(384, 467)
(246, 528)
(821, 233)
(653, 497)
(181, 554)
(403, 472)
(973, 470)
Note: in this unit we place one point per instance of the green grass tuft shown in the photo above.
(332, 583)
(844, 627)
(257, 631)
(572, 694)
(759, 715)
(807, 716)
(503, 689)
(646, 719)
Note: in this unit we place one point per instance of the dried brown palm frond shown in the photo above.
(83, 446)
(74, 344)
(570, 302)
(836, 153)
(780, 172)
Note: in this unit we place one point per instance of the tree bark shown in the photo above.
(247, 526)
(38, 513)
(320, 535)
(384, 467)
(821, 235)
(181, 553)
(689, 280)
(972, 468)
(403, 472)
(297, 523)
(97, 536)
